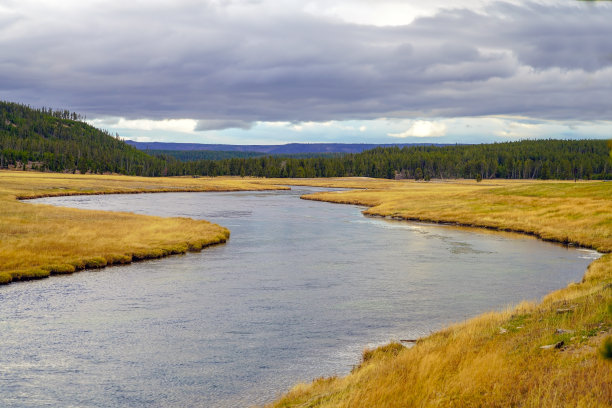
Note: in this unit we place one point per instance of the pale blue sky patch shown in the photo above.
(438, 130)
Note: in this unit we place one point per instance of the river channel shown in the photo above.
(300, 289)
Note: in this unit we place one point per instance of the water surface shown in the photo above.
(298, 292)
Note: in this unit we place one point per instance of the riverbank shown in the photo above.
(37, 241)
(544, 354)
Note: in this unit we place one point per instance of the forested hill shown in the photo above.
(49, 140)
(42, 139)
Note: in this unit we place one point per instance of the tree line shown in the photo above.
(529, 159)
(47, 140)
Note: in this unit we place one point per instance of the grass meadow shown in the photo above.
(37, 240)
(553, 353)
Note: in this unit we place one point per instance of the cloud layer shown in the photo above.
(229, 63)
(422, 128)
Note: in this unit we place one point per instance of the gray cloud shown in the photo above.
(188, 59)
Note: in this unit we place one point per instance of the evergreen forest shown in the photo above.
(60, 141)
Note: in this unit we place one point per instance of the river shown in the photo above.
(300, 289)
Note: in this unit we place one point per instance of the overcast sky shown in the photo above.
(277, 71)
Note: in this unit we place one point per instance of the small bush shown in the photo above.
(62, 269)
(38, 274)
(195, 246)
(148, 254)
(31, 274)
(139, 256)
(156, 253)
(178, 249)
(389, 350)
(78, 265)
(95, 262)
(5, 278)
(120, 259)
(606, 348)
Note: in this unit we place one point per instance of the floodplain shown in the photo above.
(534, 354)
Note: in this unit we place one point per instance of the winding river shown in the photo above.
(301, 288)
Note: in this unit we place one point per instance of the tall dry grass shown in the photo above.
(494, 360)
(37, 241)
(534, 355)
(567, 212)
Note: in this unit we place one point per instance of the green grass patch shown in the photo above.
(5, 278)
(118, 259)
(30, 274)
(95, 262)
(62, 269)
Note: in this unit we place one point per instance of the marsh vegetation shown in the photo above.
(37, 241)
(241, 322)
(536, 354)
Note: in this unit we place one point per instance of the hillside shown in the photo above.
(58, 141)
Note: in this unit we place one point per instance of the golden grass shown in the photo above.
(41, 240)
(493, 360)
(567, 212)
(496, 359)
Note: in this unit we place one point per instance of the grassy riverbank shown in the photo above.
(544, 354)
(535, 355)
(37, 241)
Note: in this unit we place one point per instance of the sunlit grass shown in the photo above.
(551, 354)
(494, 360)
(567, 212)
(37, 241)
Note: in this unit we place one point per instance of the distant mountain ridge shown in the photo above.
(290, 148)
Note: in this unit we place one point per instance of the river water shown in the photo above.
(298, 292)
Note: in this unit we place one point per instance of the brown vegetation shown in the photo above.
(41, 240)
(554, 353)
(550, 354)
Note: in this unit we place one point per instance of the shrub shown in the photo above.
(95, 262)
(148, 254)
(31, 274)
(606, 348)
(177, 249)
(61, 269)
(196, 246)
(389, 350)
(78, 264)
(5, 278)
(115, 259)
(156, 253)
